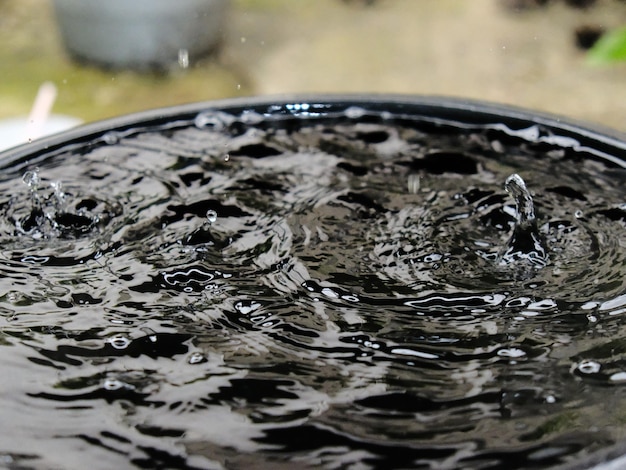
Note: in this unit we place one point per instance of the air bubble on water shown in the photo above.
(114, 384)
(328, 292)
(550, 399)
(111, 138)
(618, 377)
(518, 302)
(579, 214)
(226, 157)
(246, 307)
(592, 318)
(544, 304)
(196, 358)
(119, 342)
(589, 305)
(432, 258)
(511, 352)
(211, 216)
(589, 367)
(354, 112)
(249, 116)
(617, 302)
(412, 352)
(213, 119)
(529, 313)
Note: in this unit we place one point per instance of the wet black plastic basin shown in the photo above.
(604, 140)
(586, 142)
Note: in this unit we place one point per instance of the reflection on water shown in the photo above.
(264, 290)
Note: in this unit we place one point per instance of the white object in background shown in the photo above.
(16, 131)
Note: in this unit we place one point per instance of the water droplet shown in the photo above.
(226, 157)
(579, 214)
(550, 399)
(31, 179)
(183, 58)
(111, 138)
(211, 216)
(413, 183)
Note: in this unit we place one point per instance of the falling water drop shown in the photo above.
(31, 179)
(526, 243)
(183, 58)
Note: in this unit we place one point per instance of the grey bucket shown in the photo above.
(140, 34)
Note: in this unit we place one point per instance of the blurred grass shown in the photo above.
(611, 47)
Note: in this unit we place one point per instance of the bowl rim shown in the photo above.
(606, 140)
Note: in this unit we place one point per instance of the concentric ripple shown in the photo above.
(312, 290)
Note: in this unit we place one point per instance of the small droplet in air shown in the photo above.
(183, 58)
(31, 179)
(413, 183)
(226, 157)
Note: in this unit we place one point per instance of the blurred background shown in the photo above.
(529, 53)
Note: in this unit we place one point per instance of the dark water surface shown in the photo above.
(243, 291)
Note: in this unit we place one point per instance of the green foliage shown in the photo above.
(611, 47)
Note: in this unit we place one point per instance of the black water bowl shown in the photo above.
(318, 281)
